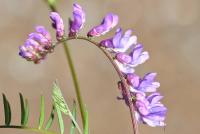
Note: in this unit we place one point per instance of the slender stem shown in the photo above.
(28, 129)
(75, 80)
(73, 73)
(109, 56)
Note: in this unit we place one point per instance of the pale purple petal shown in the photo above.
(123, 43)
(133, 80)
(79, 19)
(154, 98)
(153, 123)
(108, 23)
(39, 38)
(159, 110)
(58, 24)
(107, 43)
(124, 68)
(123, 58)
(136, 52)
(117, 38)
(42, 30)
(142, 108)
(150, 76)
(138, 57)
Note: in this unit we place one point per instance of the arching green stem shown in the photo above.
(109, 56)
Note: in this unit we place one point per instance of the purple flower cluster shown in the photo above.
(37, 45)
(149, 108)
(146, 99)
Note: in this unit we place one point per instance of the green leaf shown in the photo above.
(86, 128)
(7, 110)
(60, 120)
(73, 126)
(26, 115)
(62, 105)
(42, 112)
(22, 108)
(51, 118)
(59, 99)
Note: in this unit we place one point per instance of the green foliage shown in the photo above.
(7, 111)
(42, 112)
(86, 128)
(24, 110)
(26, 116)
(60, 104)
(51, 118)
(60, 120)
(74, 110)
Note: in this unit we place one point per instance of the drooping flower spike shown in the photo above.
(120, 43)
(108, 23)
(146, 84)
(79, 19)
(58, 24)
(37, 46)
(150, 110)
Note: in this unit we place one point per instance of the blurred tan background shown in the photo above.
(169, 30)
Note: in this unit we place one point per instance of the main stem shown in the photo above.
(109, 56)
(73, 73)
(75, 80)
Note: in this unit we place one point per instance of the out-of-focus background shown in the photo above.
(169, 30)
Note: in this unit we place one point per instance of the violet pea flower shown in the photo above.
(58, 24)
(79, 19)
(146, 84)
(135, 58)
(108, 23)
(150, 110)
(120, 43)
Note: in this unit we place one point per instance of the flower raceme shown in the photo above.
(37, 45)
(149, 109)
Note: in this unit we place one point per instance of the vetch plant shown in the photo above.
(139, 94)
